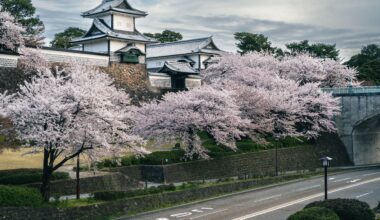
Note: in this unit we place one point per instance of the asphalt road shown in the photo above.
(277, 203)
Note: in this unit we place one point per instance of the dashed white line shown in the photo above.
(303, 200)
(365, 194)
(211, 213)
(307, 188)
(341, 180)
(354, 181)
(268, 198)
(205, 208)
(370, 174)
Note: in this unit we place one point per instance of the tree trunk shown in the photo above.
(46, 174)
(78, 180)
(45, 187)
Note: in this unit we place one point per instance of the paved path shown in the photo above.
(277, 203)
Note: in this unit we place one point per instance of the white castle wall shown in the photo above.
(58, 56)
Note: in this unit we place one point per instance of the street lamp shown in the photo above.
(326, 163)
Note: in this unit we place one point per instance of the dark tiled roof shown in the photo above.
(120, 6)
(178, 67)
(182, 47)
(108, 32)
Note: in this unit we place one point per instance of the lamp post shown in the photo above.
(326, 163)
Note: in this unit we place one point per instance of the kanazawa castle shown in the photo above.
(170, 65)
(114, 38)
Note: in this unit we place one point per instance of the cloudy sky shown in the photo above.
(348, 23)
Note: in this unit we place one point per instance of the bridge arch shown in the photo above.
(359, 123)
(366, 141)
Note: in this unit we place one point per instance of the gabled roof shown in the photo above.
(177, 67)
(200, 45)
(128, 49)
(100, 30)
(118, 6)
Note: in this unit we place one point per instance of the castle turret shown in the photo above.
(114, 32)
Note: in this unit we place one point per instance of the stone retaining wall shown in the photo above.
(249, 164)
(113, 182)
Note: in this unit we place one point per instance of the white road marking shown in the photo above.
(370, 174)
(332, 178)
(200, 216)
(354, 181)
(255, 214)
(197, 211)
(181, 215)
(341, 180)
(268, 198)
(365, 194)
(205, 208)
(307, 188)
(162, 219)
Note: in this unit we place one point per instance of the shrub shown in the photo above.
(347, 209)
(315, 213)
(163, 157)
(13, 196)
(115, 195)
(19, 177)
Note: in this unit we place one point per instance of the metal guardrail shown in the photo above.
(353, 90)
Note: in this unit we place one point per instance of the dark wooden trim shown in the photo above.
(109, 51)
(112, 21)
(199, 63)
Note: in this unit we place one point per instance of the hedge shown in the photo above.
(14, 196)
(315, 213)
(347, 209)
(25, 176)
(115, 195)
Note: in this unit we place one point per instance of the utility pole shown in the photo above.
(78, 182)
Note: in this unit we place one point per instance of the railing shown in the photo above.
(353, 90)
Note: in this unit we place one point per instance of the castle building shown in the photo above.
(178, 64)
(113, 38)
(114, 32)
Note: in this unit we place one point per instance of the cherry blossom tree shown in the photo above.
(276, 104)
(10, 32)
(32, 61)
(304, 68)
(182, 115)
(67, 112)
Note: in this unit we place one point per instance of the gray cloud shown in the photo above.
(350, 24)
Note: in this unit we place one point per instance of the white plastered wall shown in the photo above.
(123, 23)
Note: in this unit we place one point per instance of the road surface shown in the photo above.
(276, 203)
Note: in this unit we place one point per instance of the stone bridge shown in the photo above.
(359, 124)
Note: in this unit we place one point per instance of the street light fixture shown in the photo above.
(326, 163)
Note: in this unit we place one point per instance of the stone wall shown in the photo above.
(8, 60)
(249, 164)
(114, 182)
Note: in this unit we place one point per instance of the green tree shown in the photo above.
(248, 42)
(367, 62)
(166, 36)
(24, 12)
(63, 39)
(319, 50)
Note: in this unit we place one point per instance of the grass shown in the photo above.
(77, 203)
(18, 159)
(12, 159)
